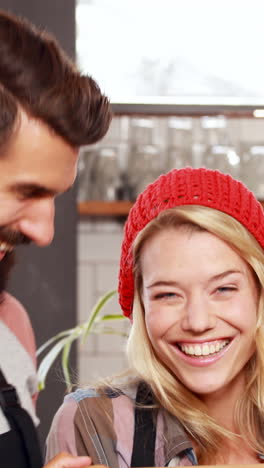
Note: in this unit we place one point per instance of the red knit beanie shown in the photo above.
(186, 186)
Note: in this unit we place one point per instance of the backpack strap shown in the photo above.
(22, 440)
(143, 453)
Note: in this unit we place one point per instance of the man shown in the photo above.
(47, 111)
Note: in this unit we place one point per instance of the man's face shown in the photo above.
(36, 166)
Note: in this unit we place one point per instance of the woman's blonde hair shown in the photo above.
(170, 393)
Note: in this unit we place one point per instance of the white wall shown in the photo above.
(98, 259)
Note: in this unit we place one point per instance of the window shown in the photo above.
(182, 51)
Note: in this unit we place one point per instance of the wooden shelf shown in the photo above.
(108, 208)
(104, 208)
(173, 106)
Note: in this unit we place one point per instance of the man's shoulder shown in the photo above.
(15, 317)
(9, 306)
(16, 358)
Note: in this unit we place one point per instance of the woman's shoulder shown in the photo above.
(114, 389)
(61, 436)
(89, 411)
(93, 398)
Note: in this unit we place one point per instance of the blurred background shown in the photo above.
(185, 78)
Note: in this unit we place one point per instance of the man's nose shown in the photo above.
(198, 316)
(37, 222)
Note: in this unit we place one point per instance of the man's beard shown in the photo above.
(11, 238)
(5, 267)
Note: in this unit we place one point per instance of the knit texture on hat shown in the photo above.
(186, 186)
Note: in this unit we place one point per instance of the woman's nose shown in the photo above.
(198, 315)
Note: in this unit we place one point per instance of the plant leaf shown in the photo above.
(54, 338)
(63, 340)
(48, 360)
(95, 311)
(112, 317)
(65, 361)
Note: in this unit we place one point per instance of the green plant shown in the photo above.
(62, 342)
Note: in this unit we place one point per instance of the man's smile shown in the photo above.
(5, 247)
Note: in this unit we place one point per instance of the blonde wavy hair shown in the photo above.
(170, 393)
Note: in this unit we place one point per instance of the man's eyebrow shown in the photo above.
(36, 189)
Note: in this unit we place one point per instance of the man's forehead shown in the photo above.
(38, 157)
(28, 125)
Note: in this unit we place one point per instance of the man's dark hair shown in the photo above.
(36, 75)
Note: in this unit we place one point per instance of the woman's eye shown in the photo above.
(226, 289)
(166, 295)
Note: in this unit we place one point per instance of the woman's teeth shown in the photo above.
(203, 349)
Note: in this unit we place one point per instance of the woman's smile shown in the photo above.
(202, 354)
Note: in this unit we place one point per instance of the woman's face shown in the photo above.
(200, 301)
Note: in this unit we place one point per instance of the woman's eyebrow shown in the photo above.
(173, 283)
(224, 274)
(163, 283)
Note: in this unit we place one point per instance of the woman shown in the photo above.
(191, 280)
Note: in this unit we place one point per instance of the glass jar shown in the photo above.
(219, 152)
(253, 167)
(105, 174)
(145, 159)
(84, 176)
(179, 152)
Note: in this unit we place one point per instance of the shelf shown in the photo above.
(104, 208)
(193, 108)
(108, 208)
